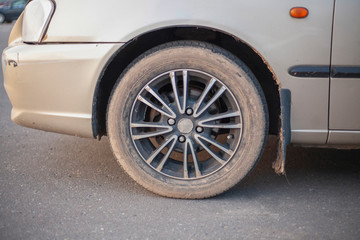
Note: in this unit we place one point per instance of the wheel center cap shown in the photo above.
(185, 125)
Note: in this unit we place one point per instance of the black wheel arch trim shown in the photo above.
(131, 50)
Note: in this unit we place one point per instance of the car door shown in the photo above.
(344, 114)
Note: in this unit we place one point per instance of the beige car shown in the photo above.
(188, 91)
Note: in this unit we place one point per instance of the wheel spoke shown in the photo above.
(166, 156)
(212, 100)
(186, 172)
(195, 160)
(151, 134)
(203, 95)
(225, 126)
(175, 90)
(148, 125)
(159, 149)
(166, 129)
(185, 90)
(220, 116)
(203, 122)
(143, 100)
(214, 155)
(215, 143)
(152, 92)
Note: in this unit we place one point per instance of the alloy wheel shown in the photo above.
(186, 124)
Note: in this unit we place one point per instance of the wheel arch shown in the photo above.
(135, 47)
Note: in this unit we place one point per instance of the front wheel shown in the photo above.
(2, 18)
(187, 120)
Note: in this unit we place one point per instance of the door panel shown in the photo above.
(345, 67)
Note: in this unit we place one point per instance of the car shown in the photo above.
(187, 92)
(11, 10)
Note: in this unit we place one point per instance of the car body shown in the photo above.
(61, 73)
(11, 10)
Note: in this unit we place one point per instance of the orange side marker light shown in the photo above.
(299, 12)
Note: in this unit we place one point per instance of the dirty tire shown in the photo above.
(223, 134)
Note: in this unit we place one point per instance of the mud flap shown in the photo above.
(285, 131)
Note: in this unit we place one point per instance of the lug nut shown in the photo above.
(230, 136)
(199, 129)
(182, 138)
(171, 121)
(189, 111)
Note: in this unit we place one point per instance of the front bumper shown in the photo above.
(51, 87)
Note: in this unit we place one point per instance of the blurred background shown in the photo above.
(10, 10)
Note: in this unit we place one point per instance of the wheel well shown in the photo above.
(130, 51)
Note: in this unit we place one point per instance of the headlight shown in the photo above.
(37, 15)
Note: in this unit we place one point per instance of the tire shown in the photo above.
(2, 18)
(222, 127)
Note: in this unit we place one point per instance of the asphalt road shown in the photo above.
(54, 186)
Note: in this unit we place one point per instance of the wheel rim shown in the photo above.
(186, 124)
(2, 18)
